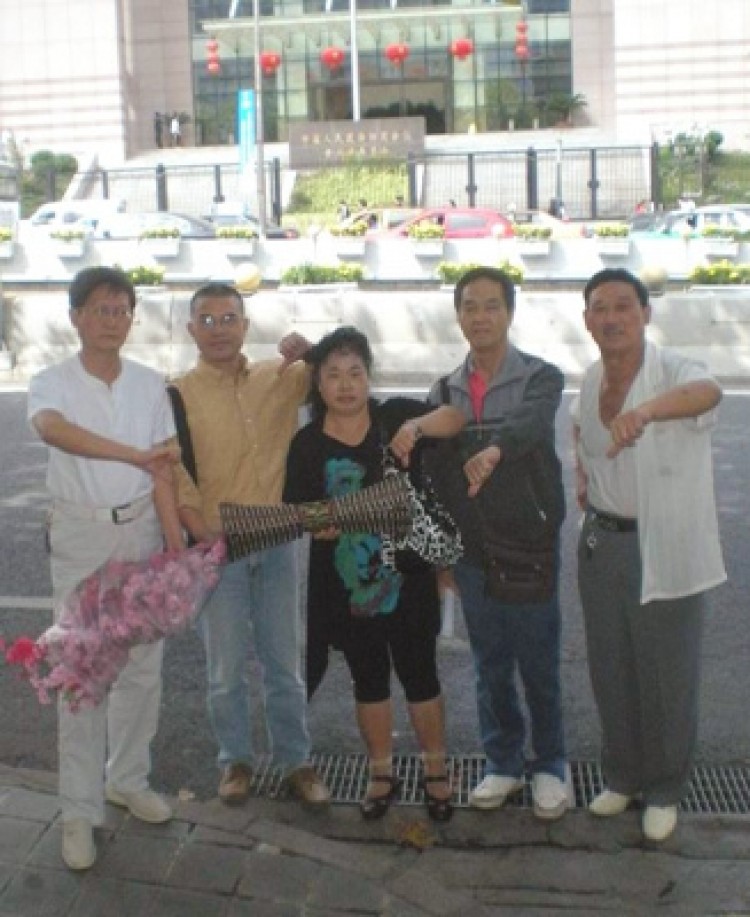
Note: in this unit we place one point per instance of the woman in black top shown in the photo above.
(380, 607)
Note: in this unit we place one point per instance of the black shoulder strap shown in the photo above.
(183, 431)
(445, 395)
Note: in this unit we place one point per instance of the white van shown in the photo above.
(66, 213)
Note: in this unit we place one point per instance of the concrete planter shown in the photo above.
(739, 290)
(150, 291)
(349, 246)
(613, 248)
(73, 248)
(162, 248)
(721, 248)
(239, 248)
(427, 248)
(533, 248)
(318, 287)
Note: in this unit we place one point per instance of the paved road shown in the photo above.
(184, 751)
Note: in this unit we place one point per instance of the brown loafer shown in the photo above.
(234, 786)
(307, 786)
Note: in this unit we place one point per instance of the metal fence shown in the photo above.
(584, 183)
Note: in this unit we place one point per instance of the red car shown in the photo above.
(458, 223)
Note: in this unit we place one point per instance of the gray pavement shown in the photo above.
(271, 858)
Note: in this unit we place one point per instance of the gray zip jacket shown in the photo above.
(523, 500)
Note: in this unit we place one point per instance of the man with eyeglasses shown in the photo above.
(108, 425)
(241, 417)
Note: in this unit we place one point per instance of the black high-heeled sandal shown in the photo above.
(437, 808)
(374, 807)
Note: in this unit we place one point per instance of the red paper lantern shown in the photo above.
(270, 62)
(332, 58)
(213, 64)
(522, 41)
(461, 48)
(397, 53)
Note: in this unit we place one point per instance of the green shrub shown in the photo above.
(305, 274)
(160, 232)
(319, 191)
(236, 232)
(68, 235)
(721, 273)
(426, 230)
(611, 230)
(513, 271)
(452, 271)
(725, 232)
(534, 233)
(357, 229)
(5, 234)
(144, 275)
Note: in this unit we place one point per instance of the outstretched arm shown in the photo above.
(56, 431)
(691, 399)
(442, 423)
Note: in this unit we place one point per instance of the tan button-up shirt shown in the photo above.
(241, 428)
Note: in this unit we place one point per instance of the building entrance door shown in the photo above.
(427, 98)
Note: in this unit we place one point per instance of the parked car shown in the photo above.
(379, 217)
(678, 223)
(649, 221)
(57, 214)
(273, 230)
(458, 223)
(132, 225)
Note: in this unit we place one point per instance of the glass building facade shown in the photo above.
(488, 89)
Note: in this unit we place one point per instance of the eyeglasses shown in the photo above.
(109, 311)
(227, 320)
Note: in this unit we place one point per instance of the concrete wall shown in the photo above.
(414, 334)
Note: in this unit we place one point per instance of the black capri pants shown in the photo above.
(405, 641)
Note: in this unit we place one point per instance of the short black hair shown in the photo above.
(346, 339)
(216, 290)
(91, 278)
(493, 274)
(616, 275)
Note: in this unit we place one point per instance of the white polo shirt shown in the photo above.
(134, 410)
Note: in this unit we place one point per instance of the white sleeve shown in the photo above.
(46, 393)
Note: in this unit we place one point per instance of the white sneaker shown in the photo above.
(550, 796)
(492, 792)
(143, 804)
(78, 848)
(609, 803)
(659, 822)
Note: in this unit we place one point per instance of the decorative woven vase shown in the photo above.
(382, 508)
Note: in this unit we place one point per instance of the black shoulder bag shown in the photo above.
(184, 439)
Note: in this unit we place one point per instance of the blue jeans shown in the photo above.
(258, 594)
(506, 639)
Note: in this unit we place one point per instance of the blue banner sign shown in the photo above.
(246, 126)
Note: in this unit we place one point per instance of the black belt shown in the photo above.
(613, 523)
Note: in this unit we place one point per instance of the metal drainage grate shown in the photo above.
(712, 791)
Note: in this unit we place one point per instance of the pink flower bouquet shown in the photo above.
(121, 605)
